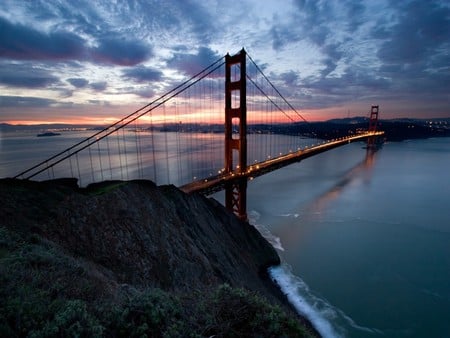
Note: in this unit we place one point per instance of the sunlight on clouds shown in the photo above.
(321, 54)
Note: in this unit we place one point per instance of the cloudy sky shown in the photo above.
(89, 61)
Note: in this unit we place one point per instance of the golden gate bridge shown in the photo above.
(178, 137)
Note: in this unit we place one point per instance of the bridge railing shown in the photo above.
(164, 140)
(178, 138)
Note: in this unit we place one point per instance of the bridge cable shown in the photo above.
(167, 97)
(278, 92)
(100, 159)
(175, 89)
(109, 157)
(268, 97)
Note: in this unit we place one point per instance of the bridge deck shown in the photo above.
(218, 182)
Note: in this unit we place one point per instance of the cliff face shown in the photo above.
(145, 235)
(94, 245)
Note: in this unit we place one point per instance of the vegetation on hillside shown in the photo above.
(46, 291)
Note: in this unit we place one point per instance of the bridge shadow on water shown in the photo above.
(295, 235)
(364, 167)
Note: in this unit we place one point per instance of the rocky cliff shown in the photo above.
(114, 237)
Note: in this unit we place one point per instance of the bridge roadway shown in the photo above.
(216, 183)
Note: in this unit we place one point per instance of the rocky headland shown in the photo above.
(133, 259)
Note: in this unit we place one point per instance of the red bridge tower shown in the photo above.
(236, 109)
(373, 123)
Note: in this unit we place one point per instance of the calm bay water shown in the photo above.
(365, 240)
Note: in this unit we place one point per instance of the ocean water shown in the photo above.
(163, 157)
(364, 239)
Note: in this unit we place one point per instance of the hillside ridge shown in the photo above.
(128, 235)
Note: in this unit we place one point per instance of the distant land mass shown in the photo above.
(395, 129)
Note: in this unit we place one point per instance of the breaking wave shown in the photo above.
(323, 316)
(253, 217)
(316, 310)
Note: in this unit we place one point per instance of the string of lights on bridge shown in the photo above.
(177, 138)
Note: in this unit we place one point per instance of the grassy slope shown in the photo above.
(48, 292)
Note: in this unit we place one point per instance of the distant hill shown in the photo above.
(395, 129)
(37, 127)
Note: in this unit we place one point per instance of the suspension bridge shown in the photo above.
(178, 138)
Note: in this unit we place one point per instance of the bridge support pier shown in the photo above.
(373, 123)
(236, 140)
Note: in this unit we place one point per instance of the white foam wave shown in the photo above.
(352, 323)
(318, 311)
(289, 215)
(253, 217)
(314, 309)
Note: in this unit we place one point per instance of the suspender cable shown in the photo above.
(123, 122)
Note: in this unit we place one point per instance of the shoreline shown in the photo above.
(147, 237)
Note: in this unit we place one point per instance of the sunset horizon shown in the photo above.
(60, 62)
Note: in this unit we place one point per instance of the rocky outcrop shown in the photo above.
(143, 235)
(111, 242)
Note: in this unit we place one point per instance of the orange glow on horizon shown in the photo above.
(171, 114)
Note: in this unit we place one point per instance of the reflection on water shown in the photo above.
(164, 157)
(364, 168)
(368, 235)
(365, 237)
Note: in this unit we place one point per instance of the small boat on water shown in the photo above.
(48, 133)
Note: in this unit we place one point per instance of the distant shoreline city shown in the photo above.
(395, 129)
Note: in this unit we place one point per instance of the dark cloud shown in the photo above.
(414, 53)
(121, 52)
(143, 74)
(98, 86)
(422, 28)
(191, 64)
(145, 92)
(197, 17)
(315, 22)
(289, 78)
(99, 103)
(78, 82)
(282, 36)
(24, 101)
(333, 55)
(361, 49)
(355, 15)
(26, 76)
(22, 43)
(315, 17)
(323, 92)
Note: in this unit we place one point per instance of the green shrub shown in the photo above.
(46, 293)
(152, 313)
(235, 312)
(72, 319)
